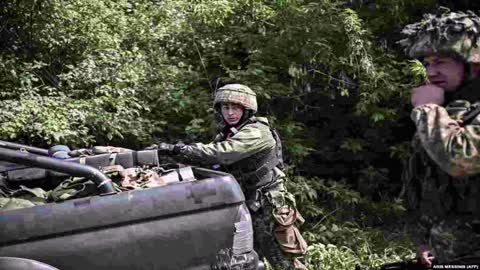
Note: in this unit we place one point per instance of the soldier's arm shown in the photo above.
(248, 141)
(455, 148)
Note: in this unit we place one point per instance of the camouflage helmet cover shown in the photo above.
(453, 32)
(236, 93)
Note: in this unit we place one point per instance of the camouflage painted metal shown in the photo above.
(236, 93)
(452, 32)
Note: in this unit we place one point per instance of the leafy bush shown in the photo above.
(327, 73)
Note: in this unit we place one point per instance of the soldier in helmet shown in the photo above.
(441, 179)
(250, 149)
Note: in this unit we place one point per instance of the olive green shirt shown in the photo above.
(251, 139)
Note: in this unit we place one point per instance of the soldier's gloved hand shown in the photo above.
(169, 149)
(165, 148)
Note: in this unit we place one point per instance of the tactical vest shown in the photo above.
(256, 171)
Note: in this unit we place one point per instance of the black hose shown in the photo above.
(31, 149)
(104, 183)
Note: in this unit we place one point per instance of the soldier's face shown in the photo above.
(444, 71)
(232, 113)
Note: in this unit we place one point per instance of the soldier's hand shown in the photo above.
(165, 148)
(427, 94)
(425, 257)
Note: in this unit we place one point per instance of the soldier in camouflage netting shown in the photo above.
(250, 149)
(442, 173)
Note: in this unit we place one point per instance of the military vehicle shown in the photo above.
(196, 220)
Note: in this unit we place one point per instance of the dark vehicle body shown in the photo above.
(196, 223)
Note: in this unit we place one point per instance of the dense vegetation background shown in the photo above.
(329, 74)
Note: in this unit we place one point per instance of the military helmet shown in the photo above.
(236, 93)
(454, 33)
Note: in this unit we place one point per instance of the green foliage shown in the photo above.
(326, 73)
(339, 244)
(334, 257)
(352, 145)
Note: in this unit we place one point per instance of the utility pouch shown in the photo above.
(286, 233)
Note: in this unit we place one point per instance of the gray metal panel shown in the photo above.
(8, 166)
(54, 219)
(180, 242)
(12, 263)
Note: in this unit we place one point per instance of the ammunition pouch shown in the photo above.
(256, 171)
(252, 176)
(258, 177)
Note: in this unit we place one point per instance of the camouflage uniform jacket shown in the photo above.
(442, 177)
(252, 154)
(242, 152)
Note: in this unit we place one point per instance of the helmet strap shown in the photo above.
(247, 114)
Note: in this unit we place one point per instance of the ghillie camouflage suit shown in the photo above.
(252, 153)
(442, 174)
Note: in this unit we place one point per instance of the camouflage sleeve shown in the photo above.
(248, 141)
(453, 147)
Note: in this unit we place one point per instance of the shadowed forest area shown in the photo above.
(328, 74)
